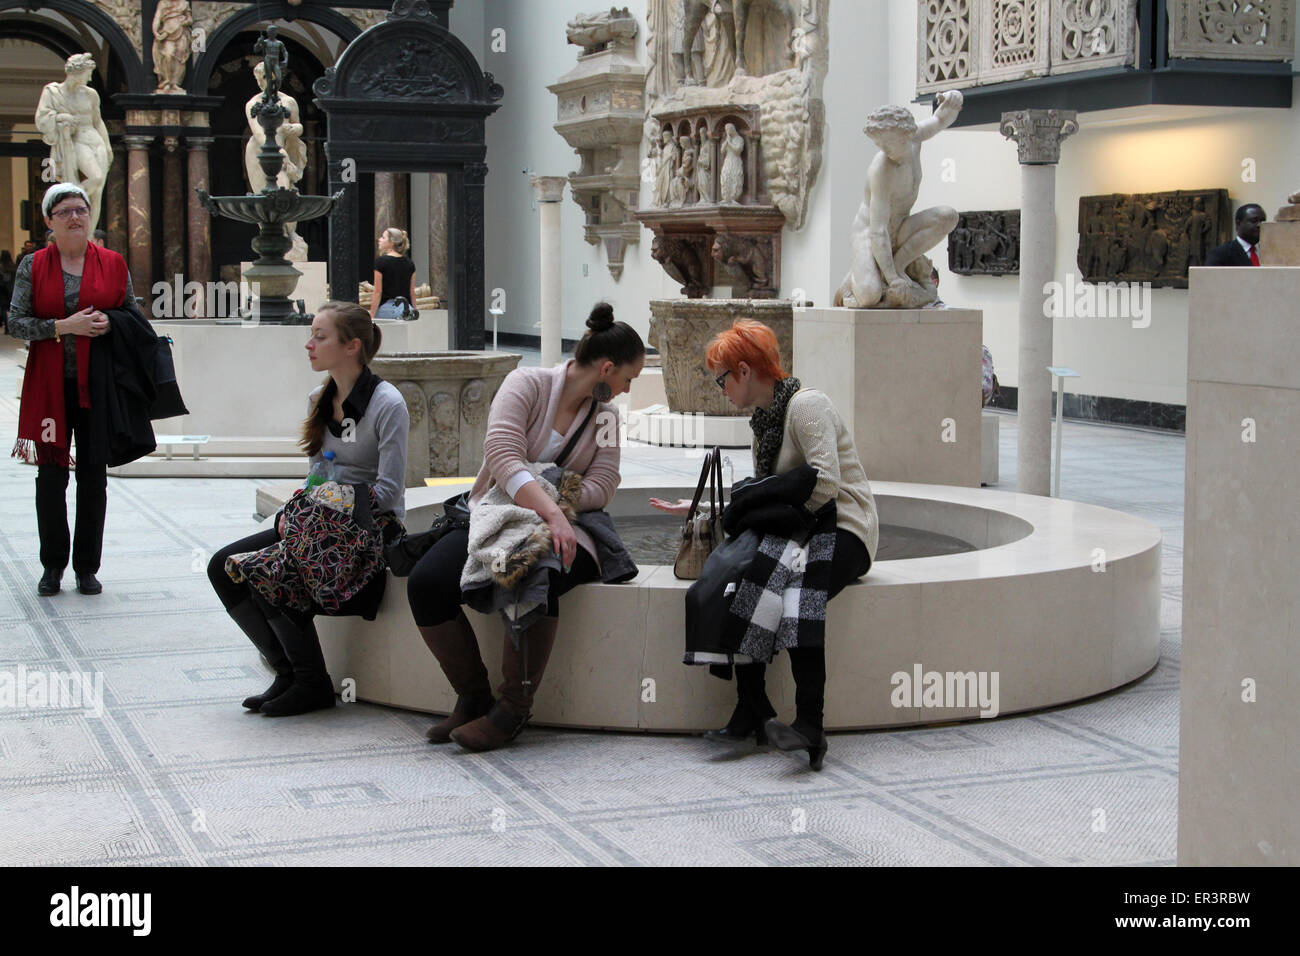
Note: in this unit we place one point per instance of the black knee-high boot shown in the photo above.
(251, 616)
(752, 706)
(809, 667)
(808, 664)
(312, 688)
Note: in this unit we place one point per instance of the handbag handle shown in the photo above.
(705, 475)
(715, 484)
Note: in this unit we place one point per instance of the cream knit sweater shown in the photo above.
(815, 435)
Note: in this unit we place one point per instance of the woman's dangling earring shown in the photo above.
(602, 392)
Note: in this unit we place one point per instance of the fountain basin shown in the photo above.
(1060, 599)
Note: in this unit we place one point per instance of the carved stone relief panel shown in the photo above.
(949, 44)
(1014, 40)
(210, 15)
(985, 243)
(1232, 29)
(1091, 34)
(770, 56)
(1150, 237)
(126, 13)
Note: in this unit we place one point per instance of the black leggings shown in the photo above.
(434, 585)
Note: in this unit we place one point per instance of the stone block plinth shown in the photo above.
(1239, 764)
(905, 381)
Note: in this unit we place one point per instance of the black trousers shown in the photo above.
(433, 588)
(87, 543)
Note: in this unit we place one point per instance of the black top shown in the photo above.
(1228, 254)
(394, 276)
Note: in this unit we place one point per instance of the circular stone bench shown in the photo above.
(1061, 600)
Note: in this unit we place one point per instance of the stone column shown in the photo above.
(549, 191)
(7, 196)
(402, 201)
(115, 200)
(385, 202)
(200, 224)
(173, 210)
(1038, 135)
(139, 222)
(438, 236)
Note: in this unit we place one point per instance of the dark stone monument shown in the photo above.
(1150, 237)
(407, 96)
(985, 243)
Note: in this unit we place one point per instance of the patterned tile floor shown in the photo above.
(174, 772)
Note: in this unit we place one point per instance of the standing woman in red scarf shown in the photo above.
(60, 295)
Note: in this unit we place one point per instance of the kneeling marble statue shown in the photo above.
(889, 269)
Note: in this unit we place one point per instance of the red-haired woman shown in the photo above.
(793, 426)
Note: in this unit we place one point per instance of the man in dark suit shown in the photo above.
(1244, 250)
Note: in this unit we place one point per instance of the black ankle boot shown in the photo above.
(252, 621)
(785, 737)
(312, 687)
(752, 707)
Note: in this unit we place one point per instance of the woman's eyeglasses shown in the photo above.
(77, 211)
(722, 379)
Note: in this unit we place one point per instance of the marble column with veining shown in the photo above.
(402, 201)
(115, 201)
(173, 211)
(139, 221)
(7, 196)
(385, 203)
(1037, 134)
(199, 222)
(549, 191)
(438, 235)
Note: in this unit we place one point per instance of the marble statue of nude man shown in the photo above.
(889, 269)
(69, 119)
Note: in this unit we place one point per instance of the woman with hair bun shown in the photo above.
(394, 275)
(538, 415)
(362, 420)
(793, 426)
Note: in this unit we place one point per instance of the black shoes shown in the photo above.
(88, 584)
(50, 583)
(784, 737)
(741, 726)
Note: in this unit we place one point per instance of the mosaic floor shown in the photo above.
(175, 772)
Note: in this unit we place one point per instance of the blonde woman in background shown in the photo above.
(394, 275)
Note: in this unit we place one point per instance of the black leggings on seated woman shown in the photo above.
(433, 588)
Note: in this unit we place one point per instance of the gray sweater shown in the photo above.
(376, 453)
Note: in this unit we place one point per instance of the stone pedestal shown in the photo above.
(907, 384)
(549, 191)
(1279, 242)
(448, 395)
(1038, 134)
(1239, 756)
(681, 330)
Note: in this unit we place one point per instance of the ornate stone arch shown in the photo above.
(138, 79)
(201, 72)
(408, 96)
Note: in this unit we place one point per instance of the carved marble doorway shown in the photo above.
(408, 97)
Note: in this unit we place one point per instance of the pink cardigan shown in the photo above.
(519, 426)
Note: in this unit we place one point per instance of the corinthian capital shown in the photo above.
(1038, 133)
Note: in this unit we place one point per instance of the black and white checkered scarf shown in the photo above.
(781, 600)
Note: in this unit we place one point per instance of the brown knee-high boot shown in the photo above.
(509, 715)
(456, 648)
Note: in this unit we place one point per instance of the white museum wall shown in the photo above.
(1187, 148)
(521, 136)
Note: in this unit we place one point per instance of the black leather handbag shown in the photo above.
(404, 553)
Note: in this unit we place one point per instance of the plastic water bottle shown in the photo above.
(322, 471)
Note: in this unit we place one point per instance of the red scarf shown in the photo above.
(44, 435)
